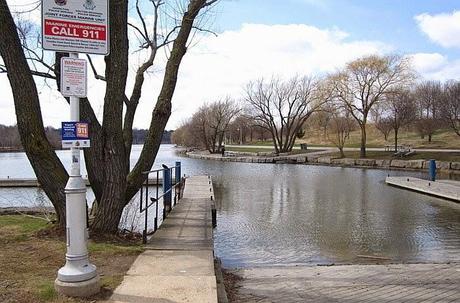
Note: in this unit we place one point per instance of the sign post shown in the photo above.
(76, 27)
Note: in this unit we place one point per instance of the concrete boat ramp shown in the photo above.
(178, 265)
(447, 189)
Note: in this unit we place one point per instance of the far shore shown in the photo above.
(329, 158)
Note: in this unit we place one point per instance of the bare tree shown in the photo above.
(450, 105)
(401, 110)
(208, 125)
(381, 122)
(364, 82)
(384, 125)
(107, 161)
(282, 107)
(428, 95)
(339, 127)
(219, 116)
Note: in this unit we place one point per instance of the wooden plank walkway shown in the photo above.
(411, 283)
(178, 265)
(447, 189)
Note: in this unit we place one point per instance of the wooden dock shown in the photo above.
(447, 189)
(178, 265)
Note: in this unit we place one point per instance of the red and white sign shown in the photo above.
(79, 26)
(73, 77)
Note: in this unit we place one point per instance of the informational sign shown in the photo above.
(73, 77)
(75, 134)
(78, 26)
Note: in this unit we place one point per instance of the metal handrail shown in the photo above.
(170, 186)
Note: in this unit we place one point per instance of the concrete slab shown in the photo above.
(196, 289)
(448, 190)
(174, 263)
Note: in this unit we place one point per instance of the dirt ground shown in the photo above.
(31, 253)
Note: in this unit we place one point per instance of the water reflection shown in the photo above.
(285, 214)
(297, 214)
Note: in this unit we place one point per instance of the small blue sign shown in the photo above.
(75, 134)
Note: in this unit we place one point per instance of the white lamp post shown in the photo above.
(78, 277)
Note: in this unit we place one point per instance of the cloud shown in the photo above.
(443, 29)
(435, 66)
(220, 66)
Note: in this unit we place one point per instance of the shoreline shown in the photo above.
(323, 158)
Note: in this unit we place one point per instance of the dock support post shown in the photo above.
(432, 170)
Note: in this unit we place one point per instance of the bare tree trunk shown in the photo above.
(162, 109)
(396, 138)
(362, 152)
(49, 170)
(112, 201)
(342, 154)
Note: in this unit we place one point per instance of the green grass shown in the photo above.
(46, 291)
(29, 261)
(112, 248)
(25, 224)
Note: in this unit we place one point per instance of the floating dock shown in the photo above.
(447, 189)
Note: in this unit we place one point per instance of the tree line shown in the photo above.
(11, 140)
(383, 90)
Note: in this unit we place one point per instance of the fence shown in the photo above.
(173, 185)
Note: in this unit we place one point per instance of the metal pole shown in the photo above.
(178, 172)
(432, 170)
(77, 267)
(167, 187)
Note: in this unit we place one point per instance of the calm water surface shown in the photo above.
(298, 214)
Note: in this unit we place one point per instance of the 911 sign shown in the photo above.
(78, 26)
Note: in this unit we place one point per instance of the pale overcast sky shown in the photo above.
(261, 38)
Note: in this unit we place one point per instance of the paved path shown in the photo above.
(178, 265)
(413, 283)
(348, 148)
(448, 189)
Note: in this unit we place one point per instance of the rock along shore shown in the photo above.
(324, 158)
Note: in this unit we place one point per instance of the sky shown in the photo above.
(265, 38)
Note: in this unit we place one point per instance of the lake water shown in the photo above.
(278, 214)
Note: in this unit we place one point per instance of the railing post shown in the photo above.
(178, 172)
(432, 170)
(166, 187)
(144, 233)
(155, 221)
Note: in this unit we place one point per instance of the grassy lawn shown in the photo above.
(443, 138)
(31, 254)
(450, 157)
